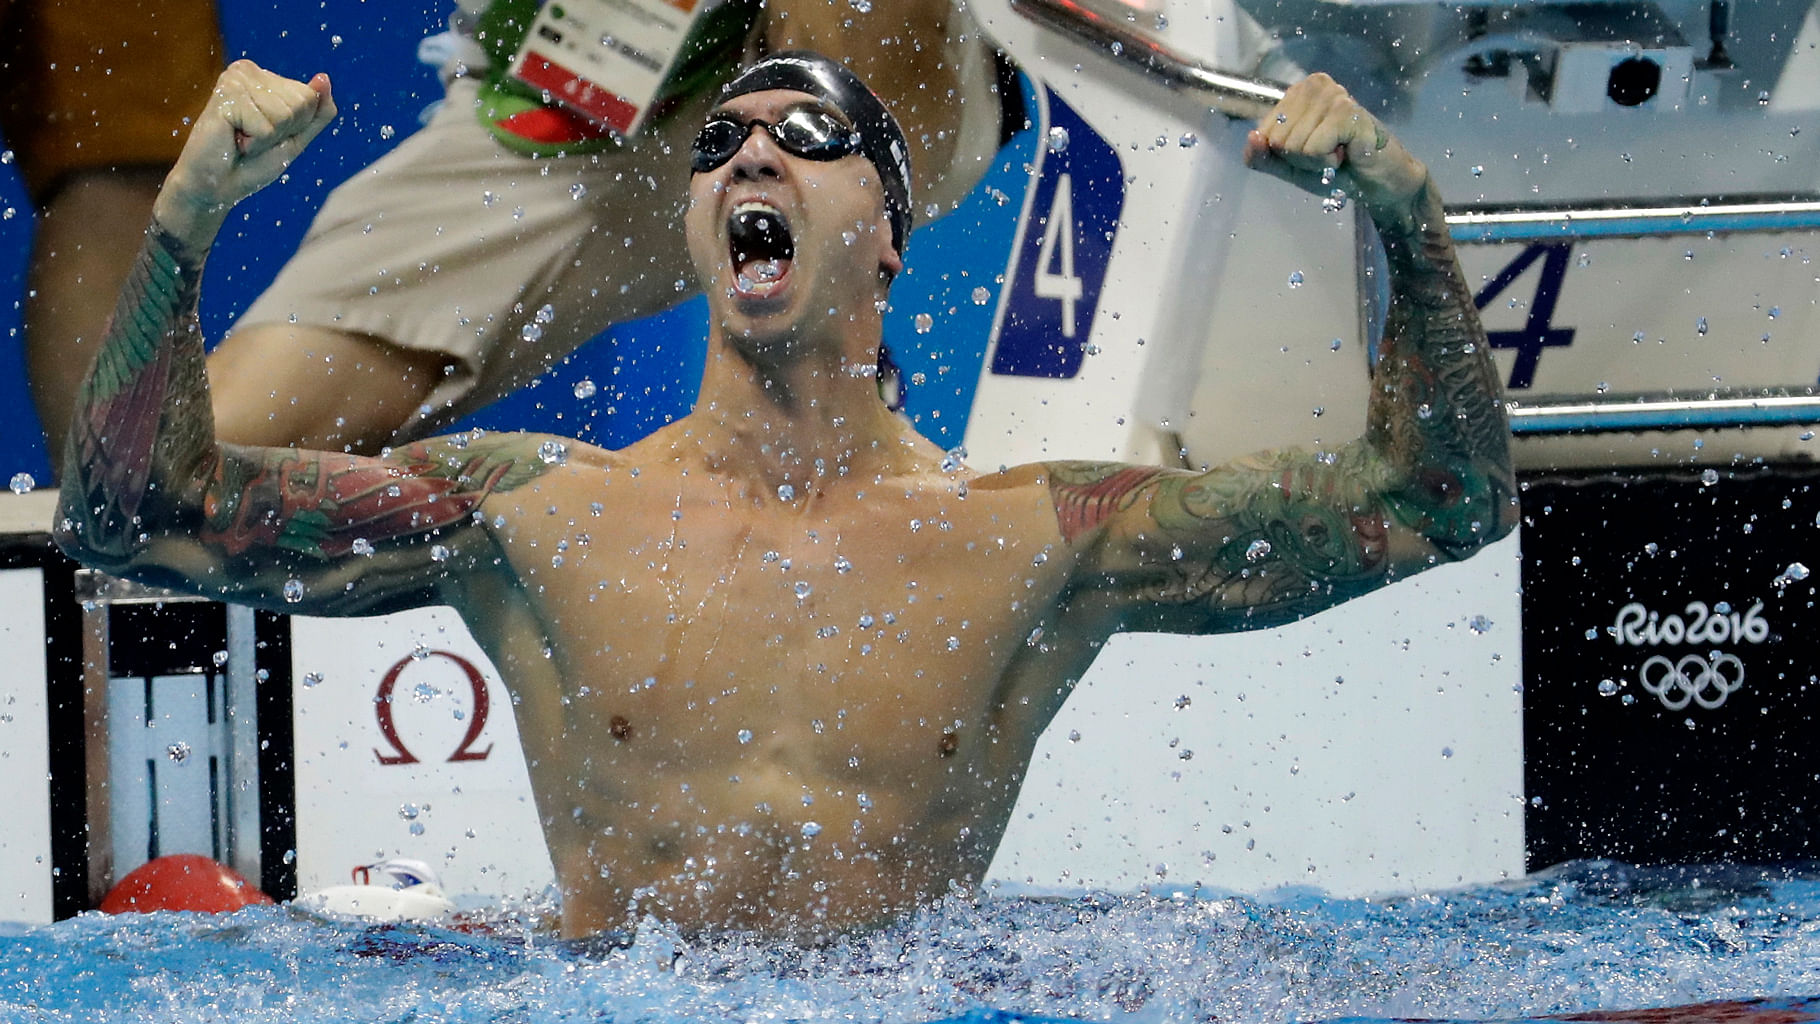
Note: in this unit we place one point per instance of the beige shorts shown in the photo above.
(452, 244)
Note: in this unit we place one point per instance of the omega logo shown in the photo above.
(382, 709)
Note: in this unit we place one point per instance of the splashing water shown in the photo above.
(1589, 935)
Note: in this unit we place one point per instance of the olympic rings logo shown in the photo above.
(1692, 679)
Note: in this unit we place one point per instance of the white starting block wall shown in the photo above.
(461, 804)
(25, 839)
(1408, 774)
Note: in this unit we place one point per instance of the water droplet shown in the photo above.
(1335, 201)
(439, 553)
(409, 812)
(1709, 477)
(862, 6)
(954, 643)
(23, 483)
(1478, 171)
(1607, 687)
(786, 492)
(1328, 174)
(1295, 279)
(178, 751)
(924, 323)
(545, 314)
(952, 459)
(1700, 327)
(1058, 139)
(220, 658)
(361, 546)
(802, 589)
(1446, 751)
(531, 332)
(578, 190)
(1795, 573)
(313, 679)
(981, 295)
(1763, 99)
(842, 566)
(811, 829)
(293, 591)
(1183, 702)
(745, 735)
(553, 452)
(1257, 549)
(334, 40)
(1479, 624)
(386, 131)
(586, 388)
(1424, 411)
(1188, 140)
(1074, 735)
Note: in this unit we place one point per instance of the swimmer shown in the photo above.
(778, 667)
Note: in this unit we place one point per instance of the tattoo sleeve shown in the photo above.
(1437, 413)
(149, 492)
(1280, 535)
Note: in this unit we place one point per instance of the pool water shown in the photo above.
(1591, 935)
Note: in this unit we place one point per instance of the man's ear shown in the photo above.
(889, 259)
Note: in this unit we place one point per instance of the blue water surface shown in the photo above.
(1580, 937)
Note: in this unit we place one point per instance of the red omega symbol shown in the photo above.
(382, 709)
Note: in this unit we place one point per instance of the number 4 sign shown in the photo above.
(1064, 245)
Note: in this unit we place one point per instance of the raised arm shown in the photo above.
(149, 492)
(1280, 535)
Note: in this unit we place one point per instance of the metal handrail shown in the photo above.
(1234, 95)
(1797, 213)
(1616, 413)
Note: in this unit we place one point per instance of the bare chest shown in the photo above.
(855, 634)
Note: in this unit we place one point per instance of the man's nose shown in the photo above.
(759, 156)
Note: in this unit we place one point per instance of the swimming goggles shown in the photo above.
(808, 132)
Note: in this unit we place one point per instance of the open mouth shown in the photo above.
(760, 247)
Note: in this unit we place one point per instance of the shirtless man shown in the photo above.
(777, 666)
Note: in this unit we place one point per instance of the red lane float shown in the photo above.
(182, 881)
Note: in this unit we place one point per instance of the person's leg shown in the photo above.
(317, 387)
(88, 234)
(424, 277)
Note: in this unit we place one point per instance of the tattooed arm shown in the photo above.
(147, 489)
(1278, 536)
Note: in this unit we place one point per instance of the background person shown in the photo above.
(95, 97)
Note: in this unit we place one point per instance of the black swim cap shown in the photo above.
(881, 140)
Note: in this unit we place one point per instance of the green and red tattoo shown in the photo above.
(1277, 536)
(144, 466)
